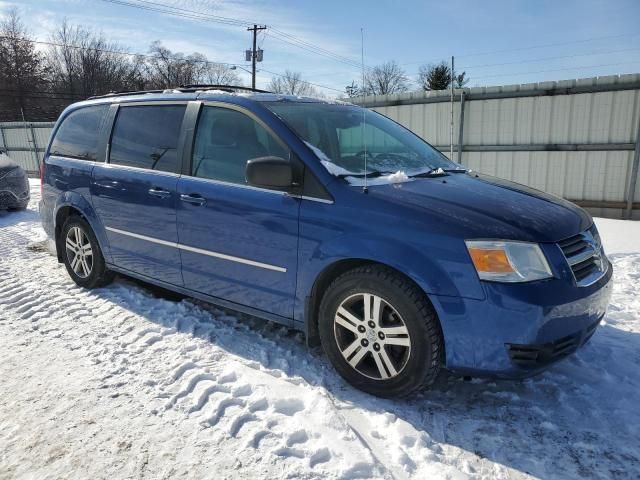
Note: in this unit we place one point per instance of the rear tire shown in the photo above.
(82, 255)
(390, 348)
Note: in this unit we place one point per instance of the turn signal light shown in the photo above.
(495, 261)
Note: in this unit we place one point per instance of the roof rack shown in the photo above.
(124, 92)
(229, 88)
(182, 89)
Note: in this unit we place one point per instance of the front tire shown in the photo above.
(380, 332)
(82, 255)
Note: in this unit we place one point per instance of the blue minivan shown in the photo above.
(328, 218)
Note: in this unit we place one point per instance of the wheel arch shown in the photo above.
(70, 204)
(61, 216)
(333, 271)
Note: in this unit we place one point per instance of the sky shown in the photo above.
(496, 42)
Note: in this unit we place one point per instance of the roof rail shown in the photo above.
(229, 88)
(183, 89)
(125, 92)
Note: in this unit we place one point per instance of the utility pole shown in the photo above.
(451, 126)
(255, 29)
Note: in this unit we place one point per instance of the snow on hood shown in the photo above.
(398, 177)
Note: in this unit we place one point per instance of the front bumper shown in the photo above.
(520, 329)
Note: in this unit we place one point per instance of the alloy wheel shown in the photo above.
(79, 252)
(372, 336)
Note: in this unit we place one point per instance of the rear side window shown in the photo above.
(225, 140)
(147, 137)
(79, 133)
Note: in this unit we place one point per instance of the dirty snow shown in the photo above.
(122, 383)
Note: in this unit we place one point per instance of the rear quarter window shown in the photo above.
(79, 133)
(147, 137)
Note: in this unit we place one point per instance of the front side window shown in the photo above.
(147, 137)
(225, 140)
(344, 135)
(79, 133)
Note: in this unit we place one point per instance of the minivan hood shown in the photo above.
(481, 206)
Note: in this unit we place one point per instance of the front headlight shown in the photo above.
(505, 261)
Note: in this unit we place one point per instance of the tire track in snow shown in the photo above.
(212, 402)
(226, 404)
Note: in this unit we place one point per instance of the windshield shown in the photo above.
(337, 134)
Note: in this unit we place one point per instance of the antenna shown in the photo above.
(364, 114)
(451, 125)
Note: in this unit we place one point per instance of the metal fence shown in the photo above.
(25, 142)
(578, 139)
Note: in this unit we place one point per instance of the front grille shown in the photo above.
(7, 199)
(585, 256)
(536, 356)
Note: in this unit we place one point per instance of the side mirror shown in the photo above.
(270, 172)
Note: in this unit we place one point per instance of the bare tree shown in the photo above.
(166, 69)
(291, 83)
(386, 78)
(22, 71)
(438, 77)
(83, 62)
(220, 74)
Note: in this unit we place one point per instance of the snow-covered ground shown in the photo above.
(119, 383)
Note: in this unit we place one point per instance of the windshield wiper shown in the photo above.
(370, 174)
(437, 172)
(433, 172)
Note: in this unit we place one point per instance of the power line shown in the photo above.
(288, 38)
(558, 69)
(303, 43)
(311, 50)
(551, 58)
(139, 55)
(546, 45)
(113, 52)
(533, 47)
(310, 83)
(264, 38)
(42, 92)
(44, 96)
(277, 34)
(153, 6)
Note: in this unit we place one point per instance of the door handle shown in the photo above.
(193, 198)
(159, 192)
(111, 185)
